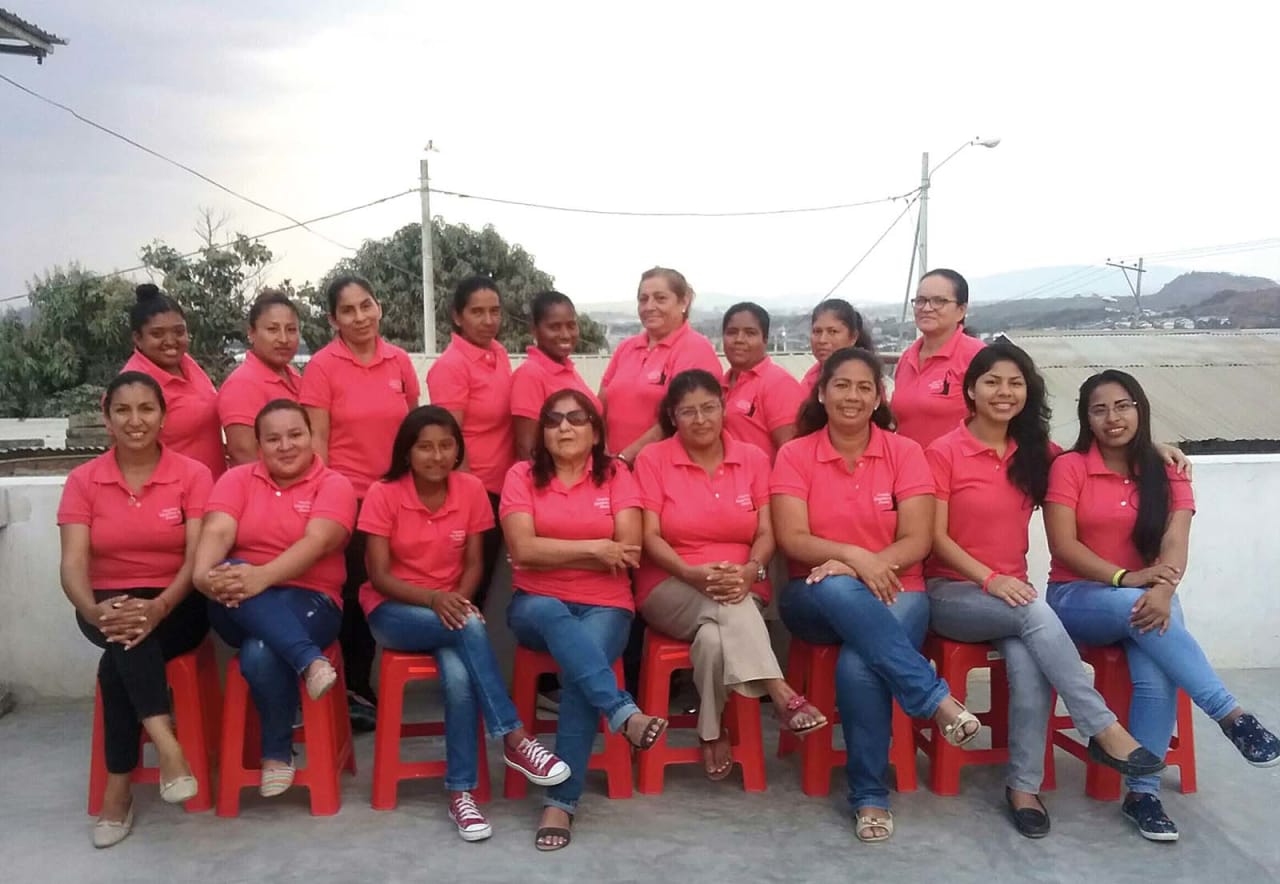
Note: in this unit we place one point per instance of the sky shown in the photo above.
(1125, 131)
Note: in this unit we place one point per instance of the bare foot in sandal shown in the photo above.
(957, 724)
(797, 714)
(872, 824)
(642, 731)
(717, 757)
(554, 829)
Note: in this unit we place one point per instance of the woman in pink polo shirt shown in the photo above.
(267, 373)
(270, 561)
(129, 520)
(761, 397)
(928, 399)
(637, 376)
(571, 517)
(834, 325)
(989, 473)
(357, 389)
(853, 512)
(472, 379)
(707, 535)
(160, 342)
(548, 368)
(1119, 523)
(425, 521)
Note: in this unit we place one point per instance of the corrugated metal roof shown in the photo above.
(1202, 384)
(8, 18)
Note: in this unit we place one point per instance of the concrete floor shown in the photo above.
(695, 831)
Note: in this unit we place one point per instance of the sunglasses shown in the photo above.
(576, 418)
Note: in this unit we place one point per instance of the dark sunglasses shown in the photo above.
(576, 418)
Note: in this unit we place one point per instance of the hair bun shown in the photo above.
(148, 291)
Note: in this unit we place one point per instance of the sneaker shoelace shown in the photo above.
(535, 753)
(465, 810)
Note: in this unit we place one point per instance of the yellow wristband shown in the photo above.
(1118, 576)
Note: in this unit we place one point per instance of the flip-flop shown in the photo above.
(553, 831)
(654, 729)
(719, 773)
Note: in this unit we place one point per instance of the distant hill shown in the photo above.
(1190, 289)
(1259, 308)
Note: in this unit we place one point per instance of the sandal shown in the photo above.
(553, 832)
(654, 729)
(797, 706)
(957, 732)
(865, 823)
(715, 773)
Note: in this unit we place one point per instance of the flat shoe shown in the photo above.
(1140, 763)
(179, 789)
(276, 781)
(320, 678)
(1030, 822)
(109, 833)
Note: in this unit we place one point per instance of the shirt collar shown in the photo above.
(1094, 464)
(260, 472)
(971, 445)
(670, 340)
(106, 471)
(264, 372)
(754, 371)
(827, 452)
(946, 351)
(535, 354)
(409, 498)
(733, 452)
(141, 362)
(472, 352)
(381, 351)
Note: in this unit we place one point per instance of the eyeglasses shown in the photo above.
(935, 303)
(706, 411)
(1123, 408)
(576, 418)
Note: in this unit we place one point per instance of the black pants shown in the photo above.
(358, 646)
(492, 546)
(133, 682)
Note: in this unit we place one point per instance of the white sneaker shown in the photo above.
(472, 826)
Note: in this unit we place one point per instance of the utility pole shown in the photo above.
(922, 236)
(428, 263)
(1135, 284)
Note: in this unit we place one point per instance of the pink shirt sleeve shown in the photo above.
(228, 494)
(757, 466)
(939, 458)
(412, 388)
(784, 402)
(481, 515)
(517, 492)
(1066, 479)
(75, 507)
(235, 405)
(316, 390)
(698, 353)
(376, 513)
(789, 473)
(1180, 496)
(912, 476)
(624, 492)
(335, 500)
(448, 385)
(611, 368)
(198, 486)
(648, 477)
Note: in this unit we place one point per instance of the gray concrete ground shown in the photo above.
(695, 831)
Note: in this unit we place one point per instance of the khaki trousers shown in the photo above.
(729, 645)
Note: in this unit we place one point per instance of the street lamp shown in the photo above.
(921, 249)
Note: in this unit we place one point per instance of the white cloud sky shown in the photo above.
(1126, 128)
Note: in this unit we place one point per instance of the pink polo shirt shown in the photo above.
(928, 399)
(705, 518)
(760, 400)
(637, 376)
(987, 515)
(428, 547)
(585, 511)
(191, 411)
(477, 382)
(1106, 507)
(252, 385)
(857, 506)
(810, 379)
(270, 519)
(136, 539)
(366, 404)
(538, 377)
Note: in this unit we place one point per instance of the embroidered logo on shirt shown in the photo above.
(458, 536)
(746, 406)
(171, 514)
(655, 377)
(302, 506)
(396, 384)
(602, 504)
(935, 386)
(884, 500)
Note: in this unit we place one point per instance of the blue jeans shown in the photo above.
(878, 662)
(1097, 614)
(469, 674)
(584, 640)
(280, 632)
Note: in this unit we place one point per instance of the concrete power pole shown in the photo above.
(1135, 284)
(428, 264)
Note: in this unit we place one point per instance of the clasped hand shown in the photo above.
(232, 584)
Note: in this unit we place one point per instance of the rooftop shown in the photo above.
(695, 831)
(19, 37)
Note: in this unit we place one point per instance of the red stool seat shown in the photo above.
(664, 655)
(1111, 678)
(811, 669)
(614, 759)
(325, 731)
(954, 661)
(397, 669)
(197, 701)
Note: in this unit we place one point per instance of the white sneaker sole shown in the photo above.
(553, 780)
(1272, 763)
(473, 834)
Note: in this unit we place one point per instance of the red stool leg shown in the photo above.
(944, 774)
(617, 751)
(743, 717)
(998, 717)
(184, 678)
(1111, 678)
(797, 676)
(902, 751)
(524, 691)
(1185, 743)
(233, 742)
(655, 699)
(816, 752)
(386, 738)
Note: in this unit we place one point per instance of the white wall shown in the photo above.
(1230, 594)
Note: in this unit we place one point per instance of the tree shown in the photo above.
(393, 266)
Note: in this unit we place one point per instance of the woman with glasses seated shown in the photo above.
(1119, 524)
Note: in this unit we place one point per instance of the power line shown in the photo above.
(257, 236)
(171, 161)
(868, 252)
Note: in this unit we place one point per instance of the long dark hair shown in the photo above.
(544, 466)
(813, 413)
(849, 317)
(407, 436)
(682, 385)
(1029, 466)
(1144, 461)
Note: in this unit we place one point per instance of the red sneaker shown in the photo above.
(533, 760)
(472, 826)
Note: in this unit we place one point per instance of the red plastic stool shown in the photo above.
(664, 655)
(397, 669)
(197, 701)
(954, 661)
(811, 669)
(1111, 678)
(614, 759)
(326, 732)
